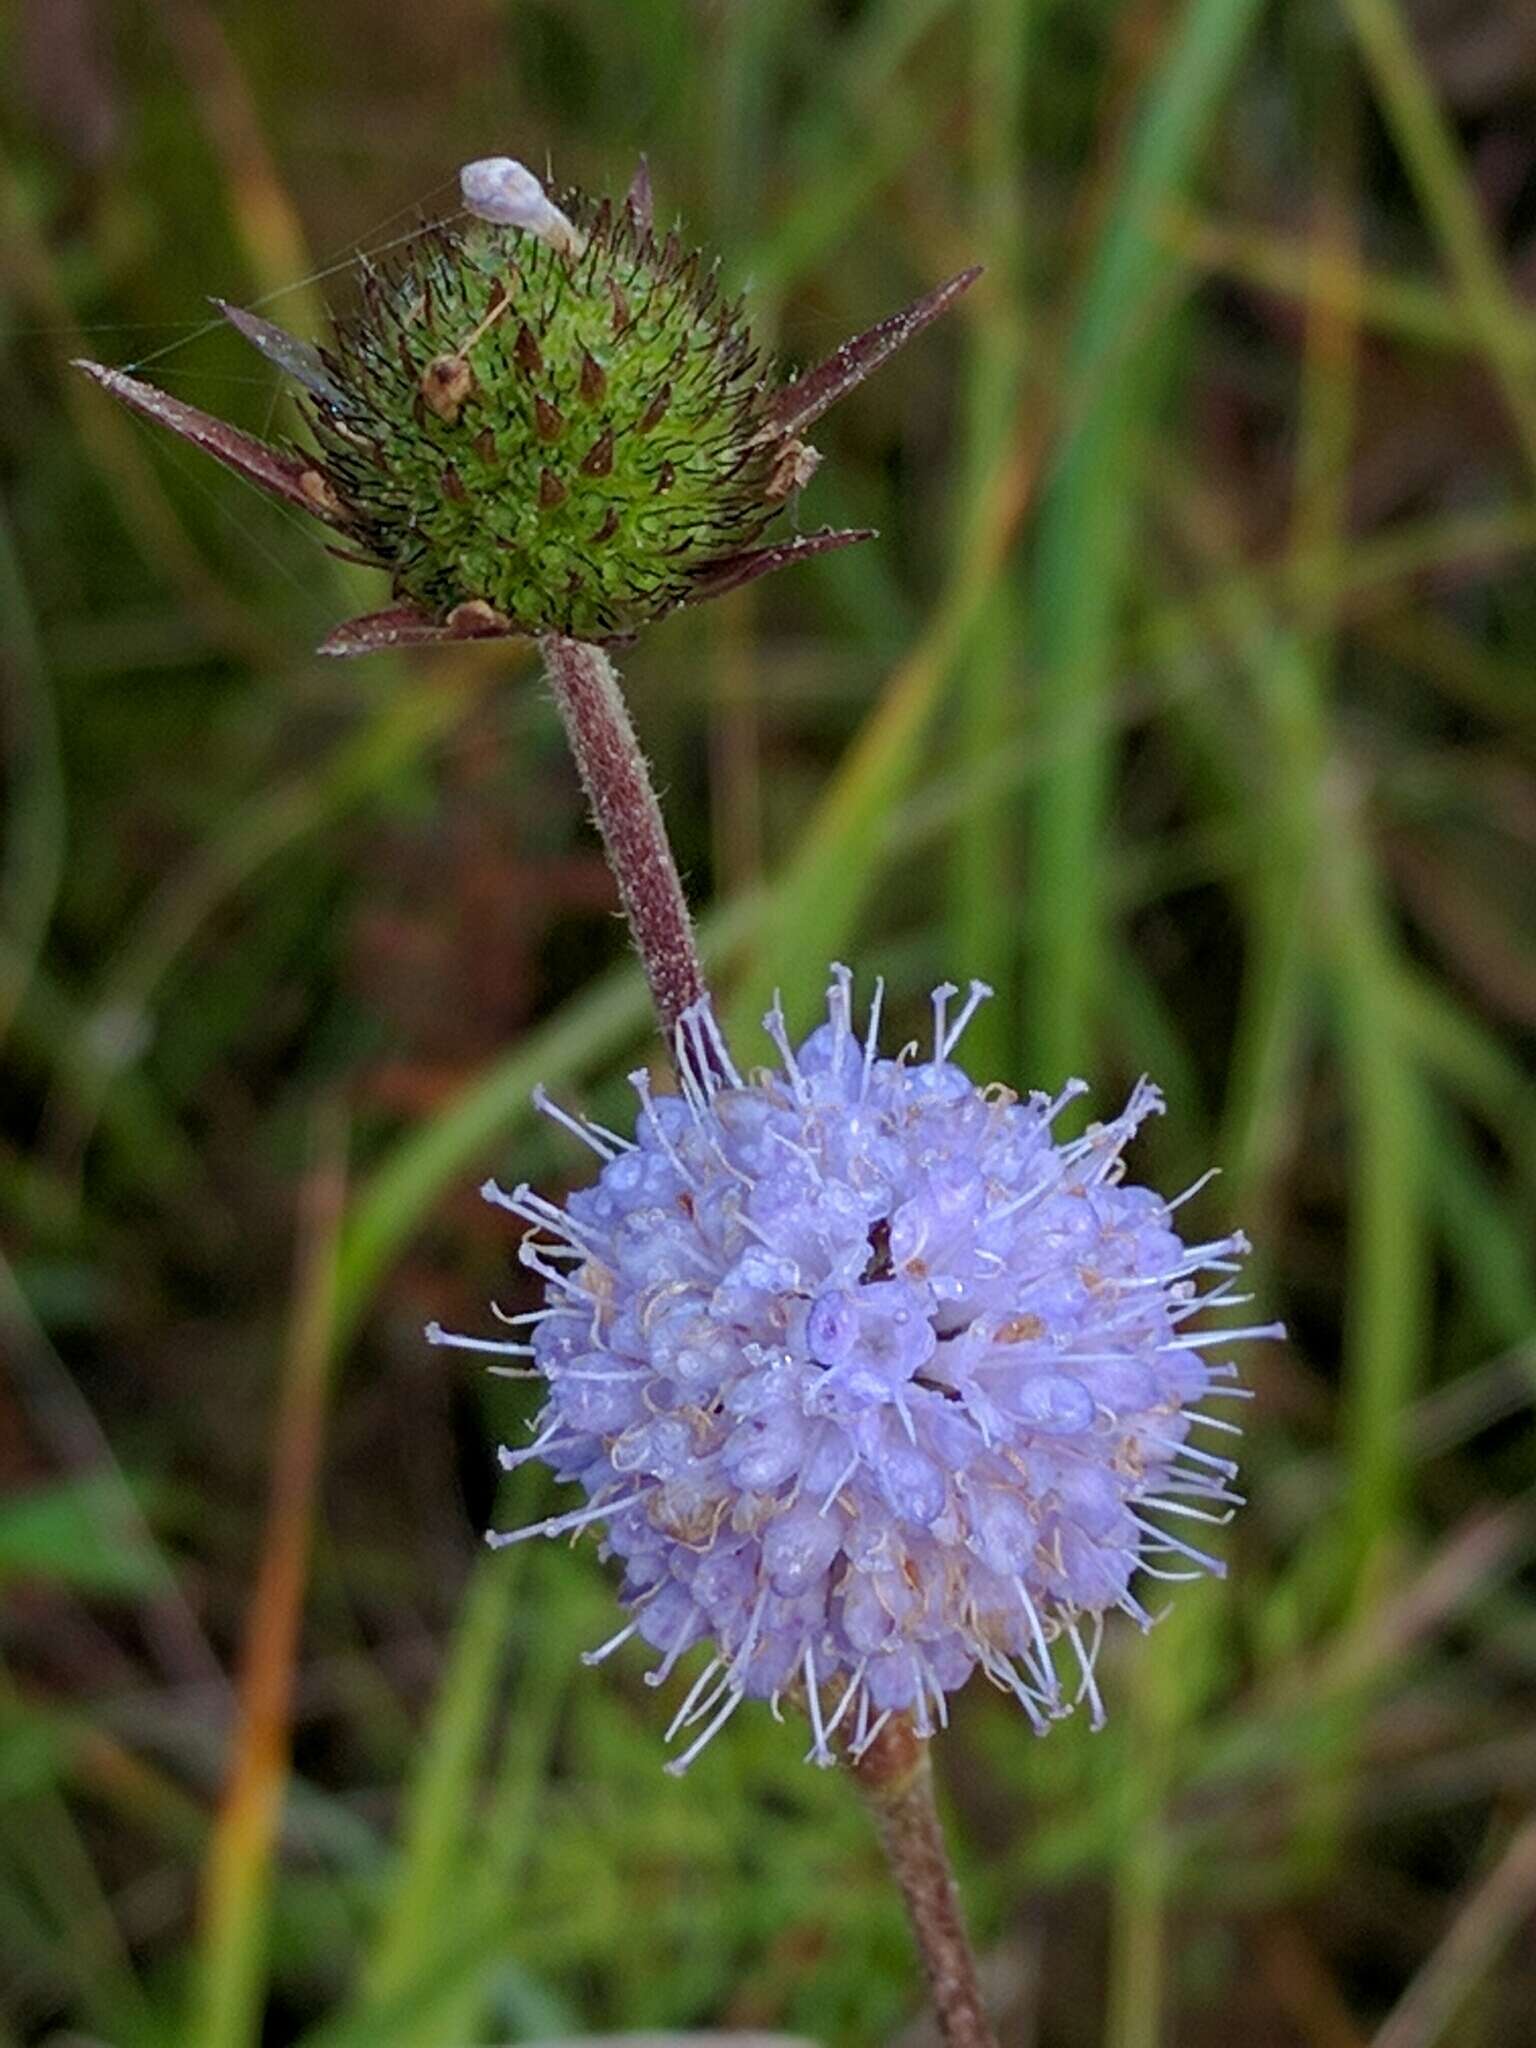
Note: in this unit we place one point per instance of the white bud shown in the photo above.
(498, 188)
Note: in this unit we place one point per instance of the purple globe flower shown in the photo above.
(872, 1382)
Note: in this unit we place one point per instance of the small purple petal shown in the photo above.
(1052, 1403)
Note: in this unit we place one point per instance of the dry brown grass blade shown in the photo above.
(1483, 1926)
(237, 1873)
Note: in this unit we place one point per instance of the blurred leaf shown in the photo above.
(74, 1531)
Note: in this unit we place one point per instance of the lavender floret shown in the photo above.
(870, 1382)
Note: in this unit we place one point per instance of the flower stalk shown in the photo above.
(618, 785)
(895, 1776)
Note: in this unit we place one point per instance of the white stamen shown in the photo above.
(865, 1740)
(586, 1132)
(436, 1334)
(1189, 1514)
(842, 1480)
(778, 1031)
(1193, 1189)
(679, 1764)
(1162, 1540)
(872, 1034)
(718, 1045)
(1050, 1684)
(640, 1081)
(1254, 1333)
(941, 996)
(558, 1525)
(684, 1713)
(840, 1004)
(1228, 1467)
(534, 1256)
(509, 1460)
(819, 1752)
(613, 1643)
(1006, 1679)
(849, 1691)
(1051, 1107)
(1213, 1422)
(978, 994)
(1086, 1659)
(660, 1673)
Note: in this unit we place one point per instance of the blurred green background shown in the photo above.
(1186, 697)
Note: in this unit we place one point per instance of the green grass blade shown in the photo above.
(1087, 525)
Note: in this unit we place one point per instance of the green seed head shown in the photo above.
(542, 418)
(566, 435)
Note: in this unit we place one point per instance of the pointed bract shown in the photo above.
(301, 484)
(734, 571)
(810, 396)
(300, 360)
(403, 626)
(639, 200)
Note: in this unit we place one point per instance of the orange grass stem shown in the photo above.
(237, 1875)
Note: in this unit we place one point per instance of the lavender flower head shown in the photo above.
(871, 1381)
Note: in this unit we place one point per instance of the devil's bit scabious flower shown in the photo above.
(543, 419)
(871, 1381)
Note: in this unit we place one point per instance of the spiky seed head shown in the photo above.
(542, 418)
(565, 425)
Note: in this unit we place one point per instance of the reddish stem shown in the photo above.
(618, 786)
(896, 1778)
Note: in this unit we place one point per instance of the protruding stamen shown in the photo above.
(1086, 1659)
(778, 1030)
(614, 1642)
(869, 1735)
(588, 1136)
(559, 1525)
(819, 1752)
(941, 996)
(451, 1340)
(872, 1034)
(978, 993)
(684, 1714)
(679, 1764)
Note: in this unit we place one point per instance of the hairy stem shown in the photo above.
(896, 1778)
(618, 786)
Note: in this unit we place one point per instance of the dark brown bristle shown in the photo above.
(598, 460)
(525, 353)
